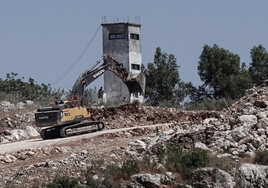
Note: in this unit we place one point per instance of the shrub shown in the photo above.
(114, 174)
(174, 154)
(92, 183)
(195, 158)
(161, 153)
(147, 164)
(208, 104)
(89, 179)
(261, 157)
(63, 182)
(129, 168)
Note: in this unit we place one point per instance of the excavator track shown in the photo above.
(71, 130)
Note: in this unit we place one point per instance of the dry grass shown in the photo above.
(223, 163)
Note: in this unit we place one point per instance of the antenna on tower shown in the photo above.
(104, 19)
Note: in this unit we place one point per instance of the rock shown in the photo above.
(30, 131)
(95, 177)
(160, 167)
(246, 139)
(240, 132)
(261, 131)
(170, 175)
(138, 146)
(209, 121)
(262, 123)
(261, 103)
(251, 175)
(29, 103)
(20, 105)
(152, 181)
(6, 106)
(9, 158)
(201, 145)
(212, 177)
(261, 115)
(134, 184)
(256, 142)
(17, 134)
(248, 119)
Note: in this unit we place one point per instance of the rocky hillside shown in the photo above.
(229, 141)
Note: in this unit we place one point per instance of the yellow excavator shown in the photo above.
(66, 118)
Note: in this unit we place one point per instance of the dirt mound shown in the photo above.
(129, 115)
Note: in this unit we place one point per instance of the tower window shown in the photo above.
(134, 36)
(135, 66)
(114, 36)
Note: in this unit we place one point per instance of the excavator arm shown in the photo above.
(109, 63)
(67, 118)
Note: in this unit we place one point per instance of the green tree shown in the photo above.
(162, 78)
(258, 68)
(221, 73)
(27, 90)
(197, 94)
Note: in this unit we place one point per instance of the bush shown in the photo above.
(161, 153)
(92, 183)
(63, 182)
(174, 154)
(195, 158)
(207, 104)
(14, 90)
(261, 157)
(129, 168)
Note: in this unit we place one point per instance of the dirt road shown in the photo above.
(39, 143)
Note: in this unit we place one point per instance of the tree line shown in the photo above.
(15, 90)
(223, 75)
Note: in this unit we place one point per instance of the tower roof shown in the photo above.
(122, 23)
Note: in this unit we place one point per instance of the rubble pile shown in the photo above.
(239, 130)
(130, 115)
(18, 126)
(14, 127)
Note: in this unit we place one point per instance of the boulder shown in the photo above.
(212, 177)
(151, 181)
(248, 119)
(29, 103)
(252, 175)
(6, 106)
(240, 133)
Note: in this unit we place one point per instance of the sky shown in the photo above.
(41, 39)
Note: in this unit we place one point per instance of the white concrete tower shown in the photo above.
(122, 40)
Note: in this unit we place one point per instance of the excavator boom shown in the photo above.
(109, 63)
